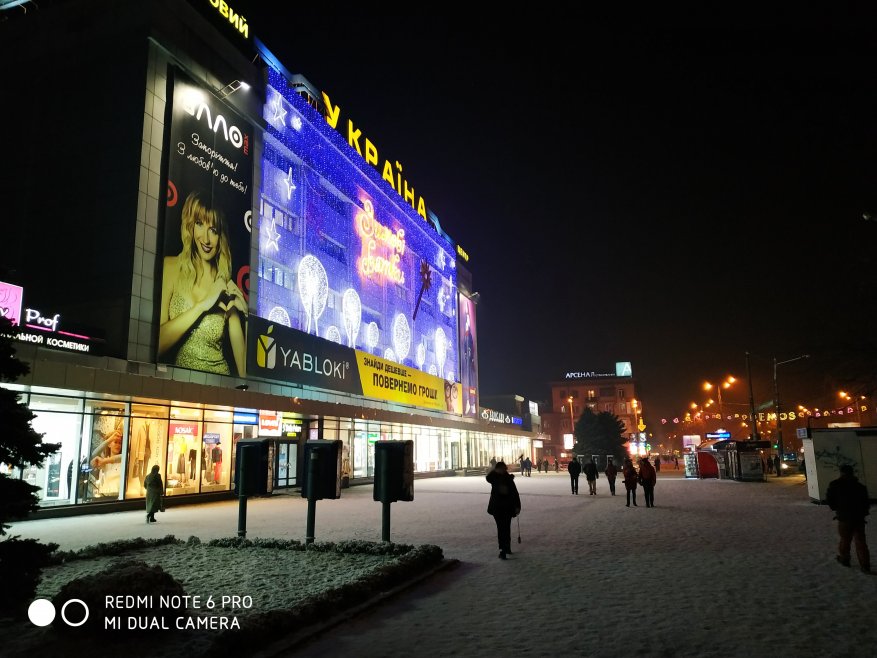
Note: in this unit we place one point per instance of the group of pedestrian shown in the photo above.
(542, 465)
(646, 477)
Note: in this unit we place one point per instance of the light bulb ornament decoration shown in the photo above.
(313, 289)
(389, 354)
(401, 337)
(351, 311)
(425, 284)
(333, 334)
(441, 350)
(279, 315)
(420, 355)
(372, 336)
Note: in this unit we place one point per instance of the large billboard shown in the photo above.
(207, 221)
(344, 260)
(468, 356)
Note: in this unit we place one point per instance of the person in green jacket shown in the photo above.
(154, 488)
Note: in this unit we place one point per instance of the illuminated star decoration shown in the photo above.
(272, 237)
(276, 106)
(290, 186)
(425, 284)
(442, 298)
(440, 259)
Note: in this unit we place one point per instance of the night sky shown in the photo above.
(669, 196)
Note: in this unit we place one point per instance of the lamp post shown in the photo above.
(752, 415)
(572, 422)
(846, 397)
(707, 386)
(776, 405)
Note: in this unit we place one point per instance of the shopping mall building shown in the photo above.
(197, 250)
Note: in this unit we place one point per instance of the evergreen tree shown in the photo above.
(20, 446)
(599, 434)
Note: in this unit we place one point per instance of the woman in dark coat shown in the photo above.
(154, 489)
(648, 478)
(504, 504)
(629, 474)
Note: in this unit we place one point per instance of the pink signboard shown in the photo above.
(10, 302)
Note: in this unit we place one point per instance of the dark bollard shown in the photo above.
(313, 470)
(242, 498)
(385, 522)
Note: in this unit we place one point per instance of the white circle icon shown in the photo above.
(41, 612)
(64, 610)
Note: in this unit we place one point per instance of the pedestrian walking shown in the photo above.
(769, 464)
(528, 466)
(504, 504)
(590, 469)
(492, 462)
(648, 476)
(611, 473)
(848, 498)
(676, 462)
(154, 489)
(657, 463)
(575, 469)
(545, 464)
(628, 472)
(556, 466)
(521, 461)
(777, 466)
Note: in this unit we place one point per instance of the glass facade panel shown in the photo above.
(59, 420)
(147, 440)
(183, 451)
(104, 429)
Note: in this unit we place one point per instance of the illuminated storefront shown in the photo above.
(336, 308)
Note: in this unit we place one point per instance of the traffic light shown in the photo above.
(775, 446)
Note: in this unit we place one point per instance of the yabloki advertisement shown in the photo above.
(284, 354)
(468, 356)
(207, 219)
(342, 258)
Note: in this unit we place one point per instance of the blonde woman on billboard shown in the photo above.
(200, 304)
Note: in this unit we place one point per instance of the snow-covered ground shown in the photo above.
(717, 568)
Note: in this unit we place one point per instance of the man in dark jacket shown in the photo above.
(505, 502)
(590, 469)
(849, 499)
(575, 469)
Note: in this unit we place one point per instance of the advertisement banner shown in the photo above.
(10, 301)
(342, 256)
(387, 380)
(468, 357)
(206, 235)
(277, 352)
(287, 355)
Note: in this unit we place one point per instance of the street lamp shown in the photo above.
(776, 405)
(572, 423)
(707, 386)
(846, 397)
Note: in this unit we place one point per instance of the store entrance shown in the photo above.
(285, 463)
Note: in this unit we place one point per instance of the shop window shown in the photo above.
(147, 442)
(103, 441)
(592, 394)
(59, 420)
(620, 393)
(607, 392)
(183, 451)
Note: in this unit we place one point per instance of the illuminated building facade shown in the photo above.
(229, 258)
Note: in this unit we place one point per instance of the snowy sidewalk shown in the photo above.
(717, 568)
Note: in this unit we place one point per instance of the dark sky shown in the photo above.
(672, 196)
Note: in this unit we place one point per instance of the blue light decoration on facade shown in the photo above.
(340, 256)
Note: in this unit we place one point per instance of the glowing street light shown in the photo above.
(726, 384)
(572, 422)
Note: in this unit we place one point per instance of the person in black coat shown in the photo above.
(575, 470)
(505, 503)
(849, 499)
(590, 469)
